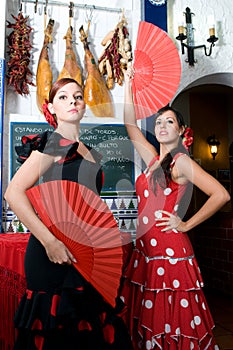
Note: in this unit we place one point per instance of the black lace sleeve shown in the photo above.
(31, 143)
(51, 143)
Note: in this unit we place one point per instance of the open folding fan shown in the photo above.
(157, 70)
(85, 224)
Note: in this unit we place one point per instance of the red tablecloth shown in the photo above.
(12, 283)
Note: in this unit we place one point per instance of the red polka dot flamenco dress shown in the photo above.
(162, 283)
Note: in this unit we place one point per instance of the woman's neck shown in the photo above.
(165, 149)
(163, 152)
(69, 131)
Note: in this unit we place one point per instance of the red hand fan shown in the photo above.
(157, 70)
(85, 224)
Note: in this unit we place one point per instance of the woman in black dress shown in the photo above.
(60, 309)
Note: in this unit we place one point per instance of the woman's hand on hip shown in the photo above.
(170, 221)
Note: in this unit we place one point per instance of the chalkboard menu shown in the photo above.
(110, 140)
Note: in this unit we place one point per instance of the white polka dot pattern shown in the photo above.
(170, 252)
(165, 276)
(160, 271)
(167, 328)
(173, 261)
(148, 304)
(176, 284)
(184, 303)
(197, 320)
(167, 191)
(153, 242)
(192, 324)
(158, 214)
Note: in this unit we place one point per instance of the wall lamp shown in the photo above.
(213, 144)
(189, 37)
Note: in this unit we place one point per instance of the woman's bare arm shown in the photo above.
(218, 196)
(145, 149)
(27, 175)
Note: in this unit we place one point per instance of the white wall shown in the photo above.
(213, 69)
(102, 22)
(24, 108)
(221, 60)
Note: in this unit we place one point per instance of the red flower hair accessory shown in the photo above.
(187, 137)
(51, 119)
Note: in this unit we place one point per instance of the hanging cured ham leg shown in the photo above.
(96, 94)
(71, 68)
(44, 76)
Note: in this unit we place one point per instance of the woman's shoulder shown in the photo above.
(50, 143)
(180, 156)
(47, 142)
(180, 159)
(29, 143)
(153, 160)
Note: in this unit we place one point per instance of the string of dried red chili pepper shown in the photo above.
(19, 74)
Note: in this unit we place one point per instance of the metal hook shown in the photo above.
(50, 12)
(71, 9)
(46, 12)
(89, 17)
(40, 11)
(20, 6)
(35, 6)
(45, 7)
(71, 12)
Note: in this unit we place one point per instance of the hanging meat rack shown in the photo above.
(81, 6)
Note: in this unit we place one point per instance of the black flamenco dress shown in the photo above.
(60, 309)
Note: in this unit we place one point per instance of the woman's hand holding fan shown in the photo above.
(84, 223)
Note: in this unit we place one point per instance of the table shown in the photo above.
(12, 283)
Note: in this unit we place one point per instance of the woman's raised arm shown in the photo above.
(145, 149)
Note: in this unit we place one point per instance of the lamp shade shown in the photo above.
(213, 144)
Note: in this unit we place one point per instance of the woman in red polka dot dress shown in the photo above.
(162, 284)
